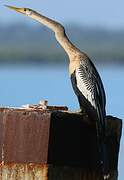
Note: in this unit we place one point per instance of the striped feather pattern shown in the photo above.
(90, 84)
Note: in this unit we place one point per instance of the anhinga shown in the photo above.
(85, 80)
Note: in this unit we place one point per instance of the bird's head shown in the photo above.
(25, 11)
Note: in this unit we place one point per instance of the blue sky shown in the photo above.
(108, 13)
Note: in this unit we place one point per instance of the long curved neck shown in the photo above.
(59, 33)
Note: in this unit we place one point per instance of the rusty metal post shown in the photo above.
(51, 144)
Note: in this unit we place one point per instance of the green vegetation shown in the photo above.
(21, 43)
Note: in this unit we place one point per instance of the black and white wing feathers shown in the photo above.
(90, 85)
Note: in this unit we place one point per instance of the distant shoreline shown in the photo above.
(20, 43)
(58, 63)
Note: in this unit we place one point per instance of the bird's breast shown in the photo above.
(73, 65)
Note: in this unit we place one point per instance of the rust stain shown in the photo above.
(23, 172)
(26, 137)
(33, 171)
(1, 135)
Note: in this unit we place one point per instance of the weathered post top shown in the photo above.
(52, 143)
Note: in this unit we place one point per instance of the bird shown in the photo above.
(86, 81)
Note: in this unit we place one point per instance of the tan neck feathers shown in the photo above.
(59, 32)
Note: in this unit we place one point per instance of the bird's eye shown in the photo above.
(25, 9)
(28, 12)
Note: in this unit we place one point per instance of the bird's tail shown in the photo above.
(101, 135)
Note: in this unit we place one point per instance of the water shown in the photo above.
(28, 85)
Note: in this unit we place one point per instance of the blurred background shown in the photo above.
(33, 66)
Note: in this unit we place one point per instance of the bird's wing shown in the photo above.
(88, 74)
(90, 85)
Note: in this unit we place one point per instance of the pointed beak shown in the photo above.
(21, 10)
